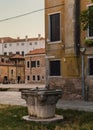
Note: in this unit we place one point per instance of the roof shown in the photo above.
(17, 56)
(6, 64)
(37, 51)
(6, 39)
(12, 40)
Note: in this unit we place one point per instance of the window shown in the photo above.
(17, 52)
(2, 59)
(54, 26)
(33, 77)
(5, 45)
(10, 44)
(42, 77)
(35, 43)
(38, 77)
(10, 53)
(17, 44)
(11, 72)
(90, 32)
(5, 53)
(90, 66)
(33, 63)
(22, 53)
(30, 43)
(27, 64)
(38, 63)
(28, 77)
(22, 44)
(54, 68)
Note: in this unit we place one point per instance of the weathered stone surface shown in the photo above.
(41, 103)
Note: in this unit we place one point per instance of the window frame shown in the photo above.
(28, 78)
(33, 64)
(38, 63)
(38, 78)
(90, 57)
(33, 78)
(12, 72)
(49, 29)
(28, 64)
(5, 45)
(23, 53)
(88, 36)
(52, 75)
(18, 52)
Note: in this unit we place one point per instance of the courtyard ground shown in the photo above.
(13, 97)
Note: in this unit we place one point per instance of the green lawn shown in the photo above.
(11, 119)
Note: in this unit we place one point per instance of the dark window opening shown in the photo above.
(5, 45)
(38, 77)
(18, 79)
(33, 77)
(22, 53)
(2, 59)
(54, 68)
(90, 66)
(38, 63)
(18, 52)
(11, 72)
(28, 77)
(90, 21)
(55, 27)
(10, 53)
(5, 53)
(33, 63)
(27, 64)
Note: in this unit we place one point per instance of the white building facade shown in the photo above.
(10, 46)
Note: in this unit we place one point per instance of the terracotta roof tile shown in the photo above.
(6, 64)
(12, 40)
(37, 51)
(17, 56)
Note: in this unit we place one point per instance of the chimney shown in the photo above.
(2, 40)
(39, 36)
(18, 38)
(26, 38)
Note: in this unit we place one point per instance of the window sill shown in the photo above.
(90, 76)
(55, 76)
(89, 37)
(50, 42)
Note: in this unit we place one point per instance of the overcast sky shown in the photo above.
(30, 25)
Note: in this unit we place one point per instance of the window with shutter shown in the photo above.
(90, 66)
(54, 27)
(54, 68)
(90, 21)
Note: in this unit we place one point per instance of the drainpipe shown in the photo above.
(82, 50)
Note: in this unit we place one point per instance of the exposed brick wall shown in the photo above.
(71, 88)
(35, 71)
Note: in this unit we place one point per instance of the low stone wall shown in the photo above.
(89, 86)
(71, 88)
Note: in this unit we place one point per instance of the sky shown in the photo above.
(30, 25)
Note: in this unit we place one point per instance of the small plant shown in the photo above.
(89, 42)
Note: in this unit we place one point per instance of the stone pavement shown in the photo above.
(14, 98)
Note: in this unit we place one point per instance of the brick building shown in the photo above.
(12, 69)
(35, 66)
(64, 40)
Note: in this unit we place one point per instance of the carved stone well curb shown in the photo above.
(41, 102)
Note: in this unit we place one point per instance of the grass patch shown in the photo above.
(11, 119)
